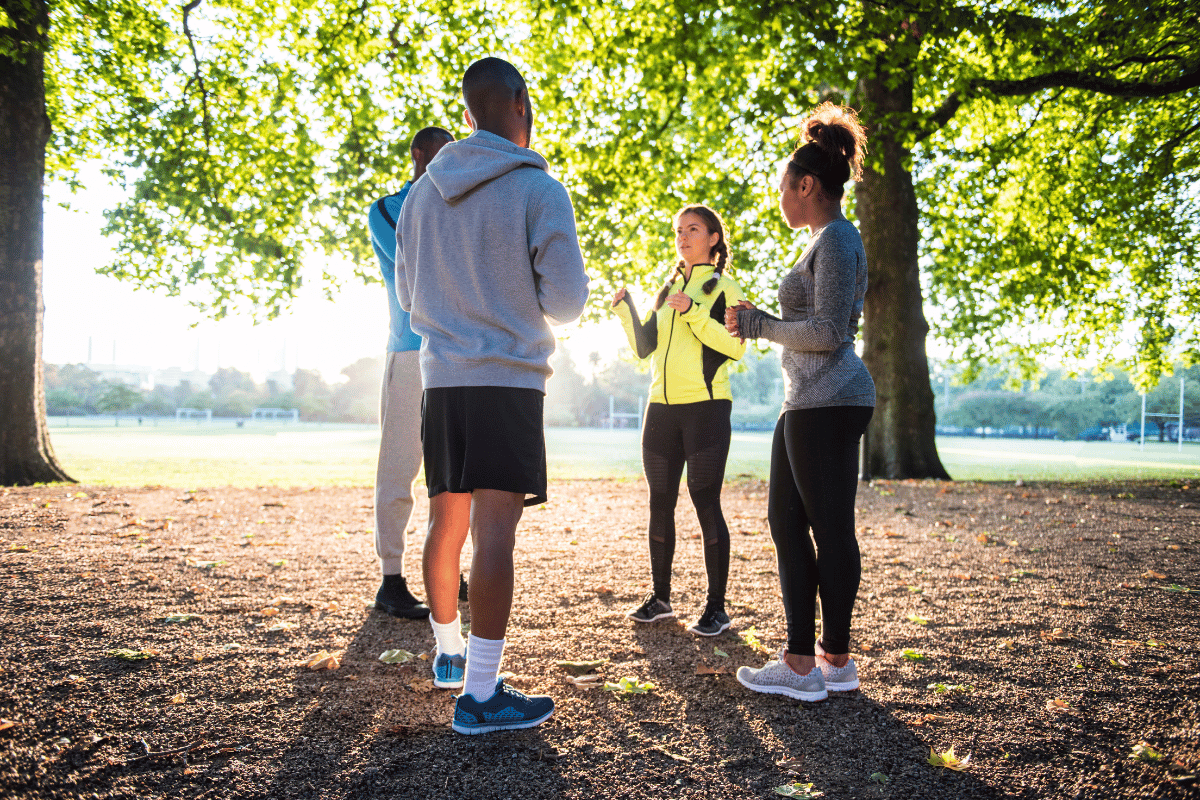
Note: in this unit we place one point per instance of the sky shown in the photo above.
(125, 325)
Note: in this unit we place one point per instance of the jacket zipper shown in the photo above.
(670, 337)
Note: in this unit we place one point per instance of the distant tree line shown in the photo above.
(74, 389)
(1063, 406)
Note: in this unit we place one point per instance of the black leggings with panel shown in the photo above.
(695, 434)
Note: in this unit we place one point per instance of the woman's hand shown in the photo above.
(680, 302)
(618, 297)
(731, 320)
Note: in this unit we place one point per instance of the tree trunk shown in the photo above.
(901, 436)
(25, 453)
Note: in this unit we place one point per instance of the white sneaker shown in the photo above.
(776, 677)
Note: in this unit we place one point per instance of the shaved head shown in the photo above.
(425, 145)
(498, 100)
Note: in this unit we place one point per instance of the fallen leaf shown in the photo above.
(127, 654)
(591, 681)
(719, 652)
(421, 685)
(629, 686)
(178, 699)
(879, 777)
(581, 667)
(281, 626)
(1152, 575)
(205, 564)
(5, 724)
(705, 669)
(395, 656)
(1144, 752)
(909, 654)
(269, 611)
(658, 748)
(323, 660)
(948, 760)
(1058, 704)
(801, 790)
(917, 619)
(182, 618)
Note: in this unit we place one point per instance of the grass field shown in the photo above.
(187, 455)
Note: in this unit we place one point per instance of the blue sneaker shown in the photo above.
(506, 710)
(448, 671)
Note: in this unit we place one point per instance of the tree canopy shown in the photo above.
(1032, 169)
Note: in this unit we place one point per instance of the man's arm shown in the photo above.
(403, 273)
(558, 270)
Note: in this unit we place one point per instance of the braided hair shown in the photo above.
(719, 252)
(833, 149)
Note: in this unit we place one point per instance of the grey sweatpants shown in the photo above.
(399, 456)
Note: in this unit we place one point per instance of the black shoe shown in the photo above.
(395, 598)
(652, 610)
(462, 588)
(713, 621)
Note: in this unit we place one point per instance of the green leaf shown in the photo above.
(719, 652)
(182, 618)
(917, 619)
(801, 790)
(909, 654)
(628, 686)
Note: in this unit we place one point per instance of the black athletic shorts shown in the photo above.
(484, 437)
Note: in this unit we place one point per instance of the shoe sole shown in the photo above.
(472, 730)
(795, 694)
(659, 618)
(843, 686)
(448, 684)
(717, 632)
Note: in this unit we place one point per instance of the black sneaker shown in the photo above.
(652, 610)
(462, 588)
(395, 598)
(713, 621)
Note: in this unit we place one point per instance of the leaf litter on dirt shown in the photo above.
(948, 759)
(129, 654)
(396, 656)
(629, 686)
(182, 618)
(801, 790)
(581, 667)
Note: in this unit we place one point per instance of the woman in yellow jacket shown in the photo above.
(687, 418)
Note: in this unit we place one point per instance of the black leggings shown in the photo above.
(814, 477)
(698, 434)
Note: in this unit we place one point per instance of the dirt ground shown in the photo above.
(1050, 632)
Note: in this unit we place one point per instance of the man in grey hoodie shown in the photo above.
(487, 257)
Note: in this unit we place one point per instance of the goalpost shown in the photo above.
(1179, 435)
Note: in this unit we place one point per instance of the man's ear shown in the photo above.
(521, 102)
(467, 119)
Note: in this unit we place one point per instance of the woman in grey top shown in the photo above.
(829, 401)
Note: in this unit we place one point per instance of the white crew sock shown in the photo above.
(449, 636)
(483, 667)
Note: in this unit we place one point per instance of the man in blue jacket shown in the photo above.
(487, 257)
(400, 401)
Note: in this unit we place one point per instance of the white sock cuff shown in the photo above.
(483, 666)
(448, 635)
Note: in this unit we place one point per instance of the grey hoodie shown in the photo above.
(486, 254)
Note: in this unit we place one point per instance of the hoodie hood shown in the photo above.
(461, 166)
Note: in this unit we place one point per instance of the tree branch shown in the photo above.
(198, 77)
(1060, 79)
(1091, 83)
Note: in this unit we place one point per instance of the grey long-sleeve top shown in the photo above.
(820, 301)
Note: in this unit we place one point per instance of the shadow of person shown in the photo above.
(848, 746)
(372, 729)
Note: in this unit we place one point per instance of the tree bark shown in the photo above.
(25, 453)
(900, 440)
